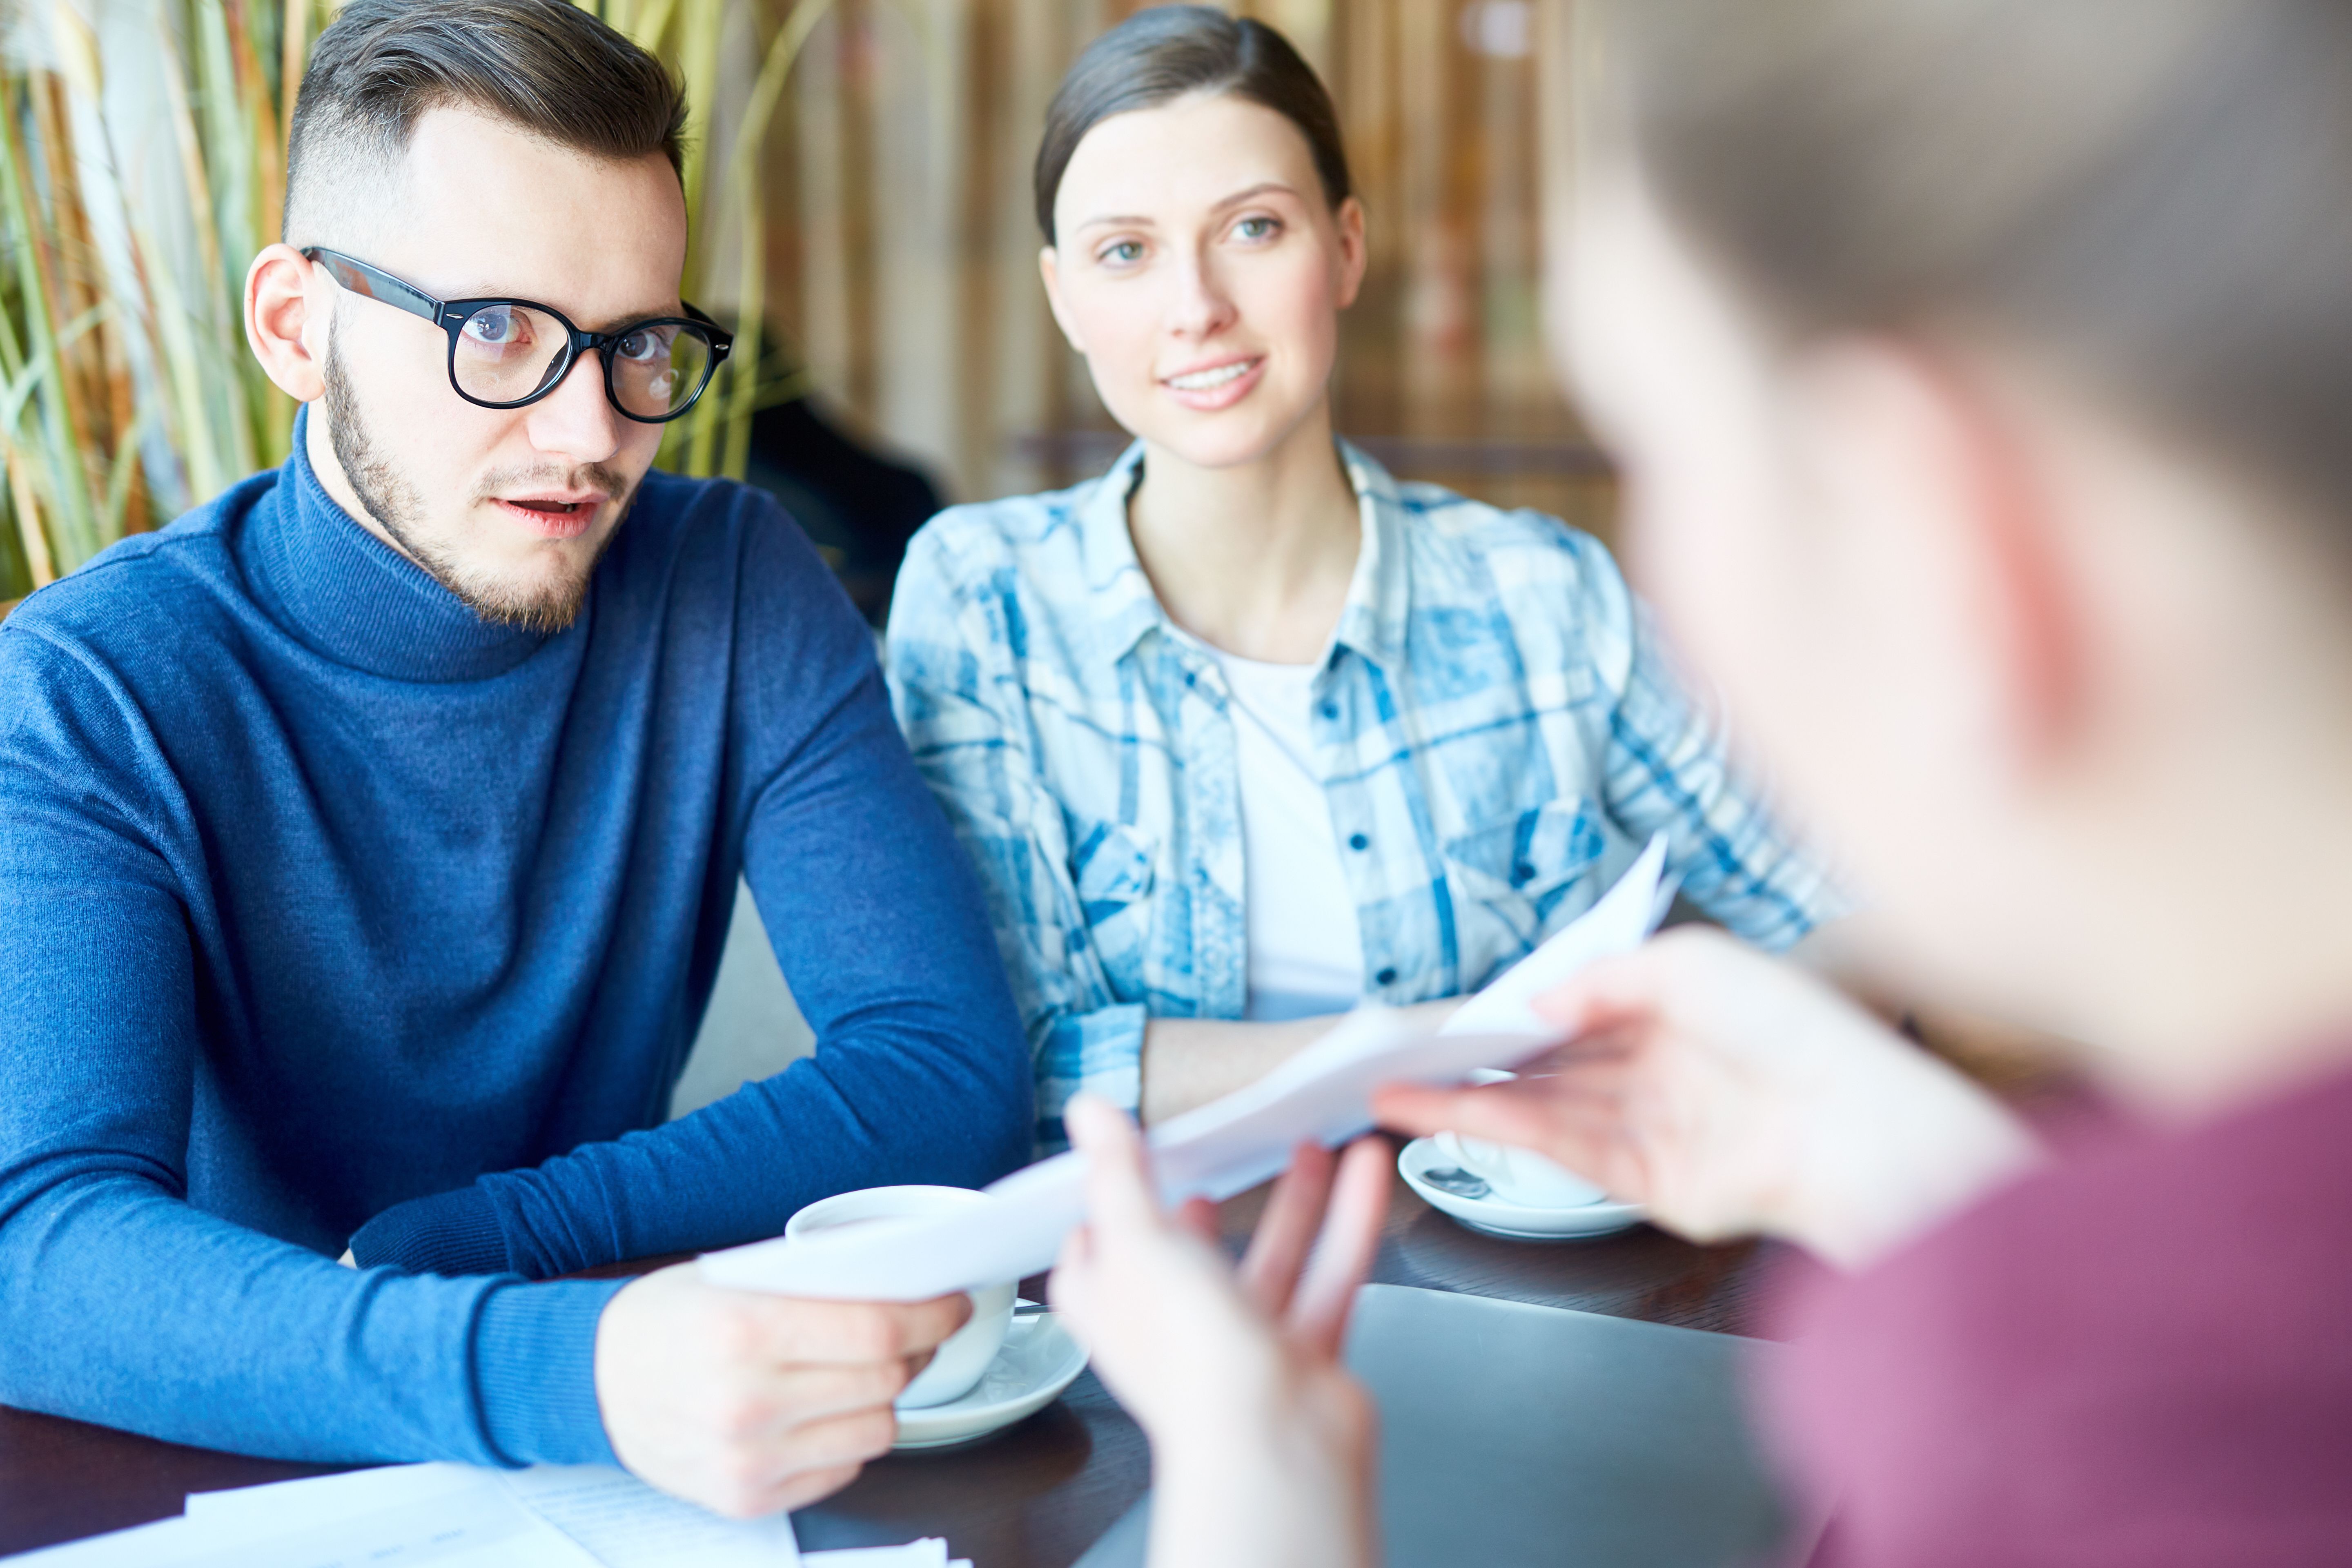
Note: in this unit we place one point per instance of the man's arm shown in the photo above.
(921, 1073)
(119, 1301)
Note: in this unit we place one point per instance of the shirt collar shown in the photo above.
(1120, 599)
(1372, 621)
(1380, 597)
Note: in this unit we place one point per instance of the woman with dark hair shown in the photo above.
(1246, 731)
(1982, 368)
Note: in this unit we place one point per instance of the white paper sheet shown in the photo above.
(616, 1519)
(928, 1553)
(1506, 1005)
(1225, 1147)
(625, 1523)
(477, 1524)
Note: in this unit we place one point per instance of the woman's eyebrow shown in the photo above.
(1263, 187)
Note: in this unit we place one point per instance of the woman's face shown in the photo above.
(1200, 270)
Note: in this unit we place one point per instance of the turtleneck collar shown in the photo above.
(348, 595)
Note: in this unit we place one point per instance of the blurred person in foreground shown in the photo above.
(1246, 731)
(1979, 367)
(369, 837)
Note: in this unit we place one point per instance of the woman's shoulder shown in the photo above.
(1035, 535)
(1518, 553)
(1450, 520)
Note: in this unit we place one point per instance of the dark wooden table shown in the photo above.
(1039, 1493)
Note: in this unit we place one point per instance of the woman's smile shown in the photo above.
(1219, 384)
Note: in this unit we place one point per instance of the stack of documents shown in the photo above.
(455, 1516)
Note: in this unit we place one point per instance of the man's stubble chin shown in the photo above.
(547, 604)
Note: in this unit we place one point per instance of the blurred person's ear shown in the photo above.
(286, 310)
(1049, 268)
(1943, 526)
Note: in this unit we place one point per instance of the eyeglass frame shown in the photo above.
(451, 316)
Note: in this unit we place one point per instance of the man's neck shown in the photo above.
(318, 446)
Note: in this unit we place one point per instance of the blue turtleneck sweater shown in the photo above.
(322, 900)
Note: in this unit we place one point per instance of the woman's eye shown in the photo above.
(1123, 253)
(1257, 227)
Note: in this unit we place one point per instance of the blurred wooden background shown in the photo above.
(858, 182)
(902, 255)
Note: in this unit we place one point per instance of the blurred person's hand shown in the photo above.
(750, 1403)
(1733, 1094)
(1263, 1445)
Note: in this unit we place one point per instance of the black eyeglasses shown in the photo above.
(504, 353)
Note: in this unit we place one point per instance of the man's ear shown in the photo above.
(285, 321)
(1049, 268)
(1945, 500)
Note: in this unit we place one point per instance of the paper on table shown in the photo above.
(618, 1520)
(475, 1525)
(928, 1553)
(627, 1524)
(1225, 1147)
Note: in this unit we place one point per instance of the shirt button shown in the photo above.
(1385, 977)
(1522, 874)
(1330, 709)
(1357, 841)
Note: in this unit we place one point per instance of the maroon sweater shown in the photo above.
(2140, 1355)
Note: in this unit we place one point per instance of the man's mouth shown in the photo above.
(557, 516)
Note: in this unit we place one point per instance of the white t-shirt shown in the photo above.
(1306, 957)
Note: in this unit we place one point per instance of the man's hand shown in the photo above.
(1732, 1094)
(750, 1403)
(1262, 1444)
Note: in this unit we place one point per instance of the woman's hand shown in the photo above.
(1731, 1094)
(1262, 1444)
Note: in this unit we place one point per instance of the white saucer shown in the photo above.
(1039, 1360)
(1491, 1214)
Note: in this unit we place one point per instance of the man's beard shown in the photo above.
(395, 503)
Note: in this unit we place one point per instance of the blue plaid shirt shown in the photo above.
(1494, 724)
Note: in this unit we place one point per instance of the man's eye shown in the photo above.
(501, 326)
(642, 345)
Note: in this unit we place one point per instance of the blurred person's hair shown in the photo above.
(1174, 51)
(2156, 193)
(545, 67)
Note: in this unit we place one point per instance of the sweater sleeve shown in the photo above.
(121, 1300)
(920, 1074)
(957, 684)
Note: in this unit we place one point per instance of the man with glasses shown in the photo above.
(368, 838)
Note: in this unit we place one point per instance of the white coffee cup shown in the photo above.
(963, 1358)
(1518, 1176)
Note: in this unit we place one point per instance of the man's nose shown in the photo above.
(577, 421)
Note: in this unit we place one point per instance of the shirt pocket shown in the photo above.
(1512, 874)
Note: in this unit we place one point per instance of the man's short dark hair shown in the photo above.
(545, 67)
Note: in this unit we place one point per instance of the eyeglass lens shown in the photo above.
(505, 353)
